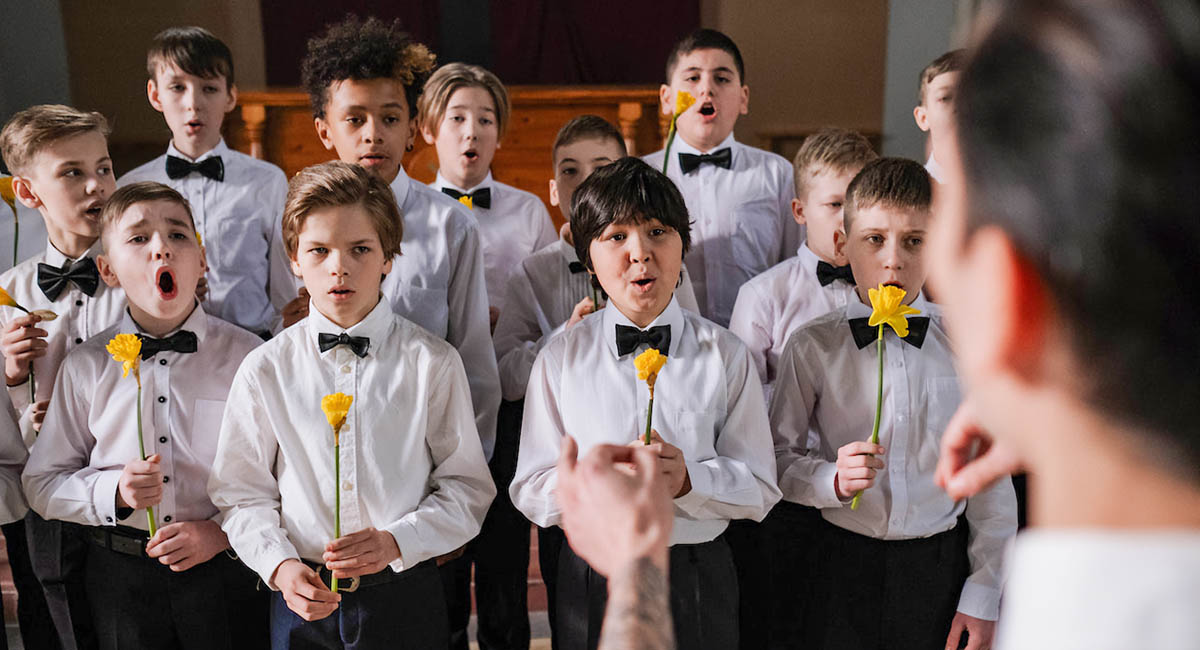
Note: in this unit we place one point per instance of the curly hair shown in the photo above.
(365, 49)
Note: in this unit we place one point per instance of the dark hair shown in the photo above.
(897, 183)
(583, 127)
(1079, 139)
(625, 191)
(951, 61)
(361, 50)
(192, 49)
(334, 184)
(706, 39)
(141, 192)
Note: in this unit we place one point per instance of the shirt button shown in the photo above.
(161, 399)
(162, 362)
(108, 519)
(167, 519)
(166, 479)
(78, 340)
(162, 439)
(347, 486)
(346, 370)
(78, 303)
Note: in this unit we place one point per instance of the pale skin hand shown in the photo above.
(363, 553)
(582, 308)
(970, 459)
(184, 545)
(297, 309)
(674, 467)
(140, 485)
(856, 468)
(979, 632)
(202, 289)
(39, 413)
(303, 591)
(21, 343)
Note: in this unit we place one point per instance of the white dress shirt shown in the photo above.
(707, 402)
(80, 317)
(90, 432)
(31, 238)
(771, 306)
(542, 294)
(515, 226)
(826, 391)
(239, 220)
(411, 463)
(742, 220)
(12, 459)
(437, 282)
(1097, 589)
(934, 169)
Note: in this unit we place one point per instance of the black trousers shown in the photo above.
(550, 543)
(500, 555)
(791, 531)
(704, 598)
(33, 615)
(138, 602)
(58, 554)
(753, 560)
(874, 594)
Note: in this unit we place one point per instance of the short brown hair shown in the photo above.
(192, 49)
(830, 148)
(584, 127)
(334, 184)
(143, 192)
(36, 127)
(431, 105)
(898, 183)
(952, 61)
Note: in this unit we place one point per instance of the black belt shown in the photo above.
(353, 584)
(120, 539)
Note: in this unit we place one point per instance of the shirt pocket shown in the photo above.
(424, 306)
(694, 433)
(943, 396)
(756, 237)
(240, 244)
(206, 423)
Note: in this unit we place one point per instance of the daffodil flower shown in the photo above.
(10, 197)
(649, 364)
(683, 101)
(336, 407)
(6, 300)
(126, 349)
(887, 308)
(466, 200)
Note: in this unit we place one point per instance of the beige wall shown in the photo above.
(809, 63)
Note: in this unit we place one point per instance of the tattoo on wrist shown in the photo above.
(639, 610)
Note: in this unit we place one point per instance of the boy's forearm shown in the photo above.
(639, 608)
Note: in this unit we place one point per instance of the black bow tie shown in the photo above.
(576, 267)
(52, 280)
(865, 335)
(629, 338)
(181, 341)
(827, 273)
(357, 344)
(481, 197)
(689, 162)
(210, 167)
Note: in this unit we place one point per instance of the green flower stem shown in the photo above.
(670, 140)
(878, 408)
(337, 500)
(649, 414)
(595, 298)
(142, 449)
(16, 234)
(32, 385)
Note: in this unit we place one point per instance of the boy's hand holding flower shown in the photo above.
(186, 544)
(363, 553)
(856, 468)
(141, 485)
(21, 343)
(674, 465)
(303, 590)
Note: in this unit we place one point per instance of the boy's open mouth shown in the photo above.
(194, 125)
(165, 282)
(893, 283)
(341, 293)
(644, 284)
(471, 155)
(708, 110)
(373, 158)
(94, 209)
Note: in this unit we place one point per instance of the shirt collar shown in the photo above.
(808, 259)
(856, 309)
(567, 251)
(671, 316)
(681, 146)
(196, 323)
(218, 150)
(935, 170)
(57, 258)
(441, 183)
(374, 325)
(400, 186)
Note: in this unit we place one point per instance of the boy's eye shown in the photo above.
(318, 250)
(485, 121)
(104, 171)
(836, 205)
(390, 119)
(875, 239)
(72, 172)
(569, 171)
(658, 232)
(354, 119)
(362, 250)
(456, 118)
(915, 241)
(619, 236)
(137, 239)
(692, 78)
(722, 79)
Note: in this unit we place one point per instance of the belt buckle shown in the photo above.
(353, 586)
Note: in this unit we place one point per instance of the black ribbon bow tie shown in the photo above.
(629, 338)
(181, 341)
(576, 267)
(865, 335)
(827, 273)
(210, 167)
(689, 162)
(357, 344)
(481, 197)
(53, 280)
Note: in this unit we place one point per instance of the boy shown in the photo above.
(630, 227)
(236, 200)
(891, 571)
(414, 483)
(934, 112)
(739, 197)
(12, 513)
(1072, 310)
(149, 591)
(463, 111)
(59, 156)
(364, 79)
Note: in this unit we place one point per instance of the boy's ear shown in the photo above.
(24, 192)
(744, 108)
(553, 192)
(428, 134)
(152, 95)
(666, 100)
(387, 266)
(412, 135)
(839, 243)
(921, 117)
(798, 211)
(295, 267)
(233, 95)
(106, 271)
(323, 133)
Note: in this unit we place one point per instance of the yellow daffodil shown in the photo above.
(683, 101)
(648, 365)
(126, 349)
(887, 308)
(467, 201)
(199, 239)
(336, 408)
(6, 300)
(7, 193)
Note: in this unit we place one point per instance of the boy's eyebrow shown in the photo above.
(464, 106)
(721, 68)
(359, 107)
(178, 222)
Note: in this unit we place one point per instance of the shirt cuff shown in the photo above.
(701, 490)
(408, 541)
(269, 564)
(979, 601)
(824, 491)
(104, 497)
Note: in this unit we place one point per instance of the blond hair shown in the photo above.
(334, 184)
(35, 128)
(431, 106)
(952, 61)
(830, 149)
(143, 192)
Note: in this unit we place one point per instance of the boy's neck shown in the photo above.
(69, 244)
(350, 321)
(391, 177)
(643, 321)
(157, 327)
(705, 146)
(464, 183)
(194, 154)
(832, 260)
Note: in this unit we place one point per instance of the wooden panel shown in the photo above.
(277, 125)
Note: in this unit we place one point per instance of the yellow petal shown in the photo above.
(126, 349)
(7, 193)
(6, 300)
(649, 363)
(683, 101)
(467, 201)
(888, 308)
(199, 239)
(336, 408)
